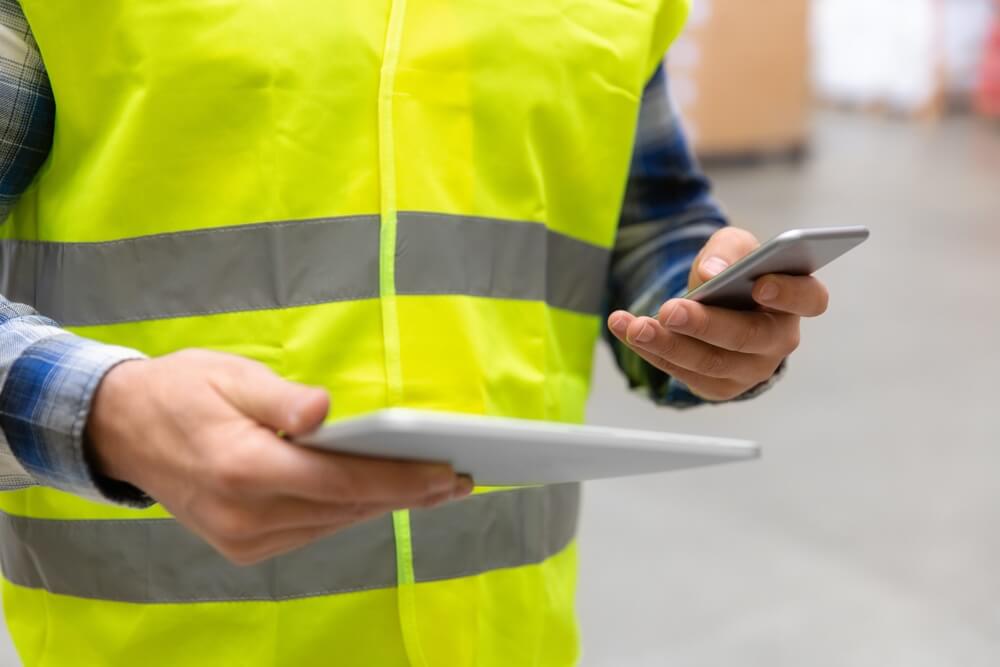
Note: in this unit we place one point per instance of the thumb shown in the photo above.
(726, 247)
(271, 401)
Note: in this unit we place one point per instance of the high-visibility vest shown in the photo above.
(410, 203)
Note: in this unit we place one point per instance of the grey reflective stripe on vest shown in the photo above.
(287, 264)
(158, 561)
(439, 254)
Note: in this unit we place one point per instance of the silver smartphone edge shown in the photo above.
(856, 233)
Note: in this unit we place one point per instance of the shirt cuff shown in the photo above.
(44, 405)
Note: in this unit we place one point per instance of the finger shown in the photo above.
(618, 323)
(712, 389)
(648, 335)
(259, 517)
(800, 295)
(293, 512)
(256, 550)
(272, 401)
(334, 477)
(299, 532)
(738, 331)
(724, 248)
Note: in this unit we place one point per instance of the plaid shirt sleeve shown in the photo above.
(47, 376)
(667, 216)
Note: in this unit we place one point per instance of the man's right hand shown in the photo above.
(196, 430)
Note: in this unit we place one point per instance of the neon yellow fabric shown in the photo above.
(183, 114)
(351, 630)
(517, 92)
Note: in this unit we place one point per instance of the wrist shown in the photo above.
(112, 414)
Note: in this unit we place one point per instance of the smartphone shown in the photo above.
(797, 252)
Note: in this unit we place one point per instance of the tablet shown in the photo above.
(499, 451)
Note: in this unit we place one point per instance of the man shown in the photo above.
(401, 203)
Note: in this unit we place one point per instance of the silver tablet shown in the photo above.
(499, 451)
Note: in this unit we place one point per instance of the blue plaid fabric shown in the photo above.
(27, 112)
(667, 216)
(48, 376)
(44, 402)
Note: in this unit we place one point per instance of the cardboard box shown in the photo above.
(740, 75)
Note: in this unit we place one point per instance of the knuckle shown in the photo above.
(824, 300)
(238, 554)
(760, 373)
(719, 235)
(727, 233)
(794, 340)
(702, 323)
(230, 524)
(713, 363)
(739, 236)
(748, 335)
(229, 547)
(668, 344)
(345, 484)
(233, 475)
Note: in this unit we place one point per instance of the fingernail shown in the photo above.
(768, 292)
(645, 334)
(678, 318)
(713, 266)
(618, 323)
(463, 486)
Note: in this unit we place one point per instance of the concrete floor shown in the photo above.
(869, 535)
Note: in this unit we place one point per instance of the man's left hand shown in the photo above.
(719, 353)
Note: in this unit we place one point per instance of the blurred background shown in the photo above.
(869, 534)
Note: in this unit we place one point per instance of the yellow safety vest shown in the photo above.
(409, 203)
